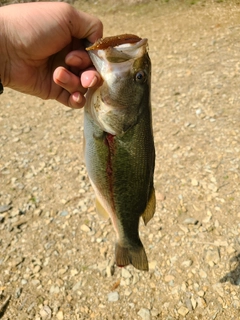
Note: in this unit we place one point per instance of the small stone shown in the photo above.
(160, 196)
(195, 182)
(212, 257)
(190, 221)
(59, 315)
(127, 292)
(212, 187)
(201, 302)
(183, 311)
(85, 228)
(74, 272)
(201, 293)
(194, 303)
(126, 273)
(144, 313)
(113, 296)
(203, 274)
(169, 278)
(110, 270)
(36, 269)
(35, 282)
(18, 293)
(187, 263)
(154, 312)
(231, 250)
(62, 271)
(54, 289)
(46, 312)
(77, 286)
(4, 208)
(152, 265)
(188, 304)
(64, 213)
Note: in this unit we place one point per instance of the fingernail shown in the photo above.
(65, 77)
(77, 97)
(93, 82)
(73, 59)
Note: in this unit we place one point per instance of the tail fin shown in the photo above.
(133, 255)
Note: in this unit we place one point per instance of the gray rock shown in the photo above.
(144, 313)
(5, 208)
(126, 273)
(113, 296)
(77, 286)
(64, 213)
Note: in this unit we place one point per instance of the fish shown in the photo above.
(118, 141)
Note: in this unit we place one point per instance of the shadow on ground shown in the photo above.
(233, 276)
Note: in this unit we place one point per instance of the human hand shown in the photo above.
(42, 51)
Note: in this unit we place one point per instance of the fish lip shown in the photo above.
(104, 43)
(118, 54)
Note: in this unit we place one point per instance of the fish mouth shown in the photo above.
(116, 50)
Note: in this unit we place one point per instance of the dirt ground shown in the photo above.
(57, 255)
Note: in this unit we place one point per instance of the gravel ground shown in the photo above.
(57, 255)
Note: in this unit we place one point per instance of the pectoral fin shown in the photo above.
(150, 209)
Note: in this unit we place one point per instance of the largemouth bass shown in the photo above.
(119, 147)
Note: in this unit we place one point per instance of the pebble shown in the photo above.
(169, 278)
(126, 273)
(201, 302)
(59, 315)
(54, 289)
(18, 292)
(203, 274)
(24, 281)
(152, 265)
(195, 182)
(85, 228)
(113, 296)
(46, 312)
(35, 282)
(190, 220)
(194, 303)
(77, 286)
(64, 213)
(212, 257)
(187, 263)
(5, 208)
(183, 311)
(144, 313)
(110, 270)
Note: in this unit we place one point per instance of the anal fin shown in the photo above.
(150, 209)
(101, 210)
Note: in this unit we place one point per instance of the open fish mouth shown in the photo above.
(116, 50)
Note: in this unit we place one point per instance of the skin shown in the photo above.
(42, 51)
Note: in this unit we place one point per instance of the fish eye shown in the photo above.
(140, 76)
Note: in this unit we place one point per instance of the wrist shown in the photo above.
(3, 49)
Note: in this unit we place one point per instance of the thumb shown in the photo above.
(84, 25)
